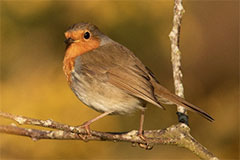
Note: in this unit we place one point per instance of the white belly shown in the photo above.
(103, 96)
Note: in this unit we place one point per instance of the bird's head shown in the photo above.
(80, 39)
(83, 37)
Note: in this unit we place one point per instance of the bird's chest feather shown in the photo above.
(74, 51)
(101, 95)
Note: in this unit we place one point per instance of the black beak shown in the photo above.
(69, 41)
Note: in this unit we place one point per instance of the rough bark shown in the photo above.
(175, 52)
(178, 134)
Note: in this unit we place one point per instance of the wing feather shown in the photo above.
(119, 66)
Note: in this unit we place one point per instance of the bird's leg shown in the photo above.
(140, 131)
(86, 125)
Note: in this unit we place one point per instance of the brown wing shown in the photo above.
(133, 83)
(117, 65)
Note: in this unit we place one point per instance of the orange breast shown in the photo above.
(75, 50)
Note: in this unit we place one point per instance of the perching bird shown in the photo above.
(109, 78)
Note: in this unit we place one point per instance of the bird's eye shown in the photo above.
(86, 35)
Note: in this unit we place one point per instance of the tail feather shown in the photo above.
(198, 110)
(163, 93)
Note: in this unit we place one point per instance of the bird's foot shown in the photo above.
(146, 145)
(87, 128)
(83, 136)
(141, 136)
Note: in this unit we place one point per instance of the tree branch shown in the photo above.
(178, 134)
(175, 52)
(177, 75)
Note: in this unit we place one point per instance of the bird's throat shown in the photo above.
(73, 51)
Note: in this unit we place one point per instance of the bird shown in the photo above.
(109, 78)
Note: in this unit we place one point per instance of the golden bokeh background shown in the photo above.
(33, 84)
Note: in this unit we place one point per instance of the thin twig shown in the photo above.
(175, 52)
(177, 73)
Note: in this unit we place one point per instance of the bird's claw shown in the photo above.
(142, 137)
(86, 127)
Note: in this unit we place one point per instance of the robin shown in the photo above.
(109, 78)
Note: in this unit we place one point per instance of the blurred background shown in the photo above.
(33, 84)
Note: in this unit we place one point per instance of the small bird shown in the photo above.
(110, 79)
